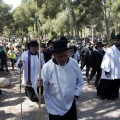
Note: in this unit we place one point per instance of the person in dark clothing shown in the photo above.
(0, 92)
(86, 53)
(47, 53)
(3, 57)
(79, 43)
(95, 64)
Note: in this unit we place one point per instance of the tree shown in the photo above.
(5, 16)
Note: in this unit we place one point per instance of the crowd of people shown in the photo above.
(61, 63)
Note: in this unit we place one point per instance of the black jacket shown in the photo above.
(3, 56)
(96, 59)
(86, 55)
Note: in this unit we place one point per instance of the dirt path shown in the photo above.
(89, 106)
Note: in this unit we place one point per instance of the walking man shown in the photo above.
(63, 82)
(30, 65)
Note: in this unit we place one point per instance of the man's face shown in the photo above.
(50, 45)
(42, 49)
(88, 45)
(117, 42)
(61, 57)
(33, 48)
(100, 48)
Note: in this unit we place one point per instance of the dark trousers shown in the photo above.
(87, 69)
(4, 63)
(98, 75)
(108, 89)
(70, 115)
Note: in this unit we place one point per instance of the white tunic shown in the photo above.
(111, 63)
(61, 84)
(34, 68)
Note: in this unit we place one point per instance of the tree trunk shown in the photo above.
(106, 19)
(75, 25)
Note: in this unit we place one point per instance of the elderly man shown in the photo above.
(30, 65)
(63, 82)
(110, 79)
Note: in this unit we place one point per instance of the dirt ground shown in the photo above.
(89, 106)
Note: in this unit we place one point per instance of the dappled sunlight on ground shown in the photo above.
(89, 106)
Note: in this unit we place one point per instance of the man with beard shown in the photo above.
(110, 78)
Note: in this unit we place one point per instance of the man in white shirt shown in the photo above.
(30, 66)
(63, 82)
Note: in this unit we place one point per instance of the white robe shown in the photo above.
(34, 68)
(60, 91)
(111, 63)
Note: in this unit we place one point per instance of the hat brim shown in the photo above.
(59, 50)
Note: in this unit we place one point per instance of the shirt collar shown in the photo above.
(54, 60)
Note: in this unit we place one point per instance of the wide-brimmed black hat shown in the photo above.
(32, 43)
(117, 37)
(64, 38)
(59, 46)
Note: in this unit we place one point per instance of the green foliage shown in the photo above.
(57, 18)
(5, 16)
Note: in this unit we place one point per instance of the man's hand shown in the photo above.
(107, 74)
(90, 69)
(39, 83)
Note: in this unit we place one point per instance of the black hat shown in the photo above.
(59, 46)
(49, 42)
(32, 43)
(117, 37)
(64, 38)
(98, 44)
(74, 48)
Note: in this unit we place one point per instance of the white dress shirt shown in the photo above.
(34, 68)
(61, 84)
(111, 63)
